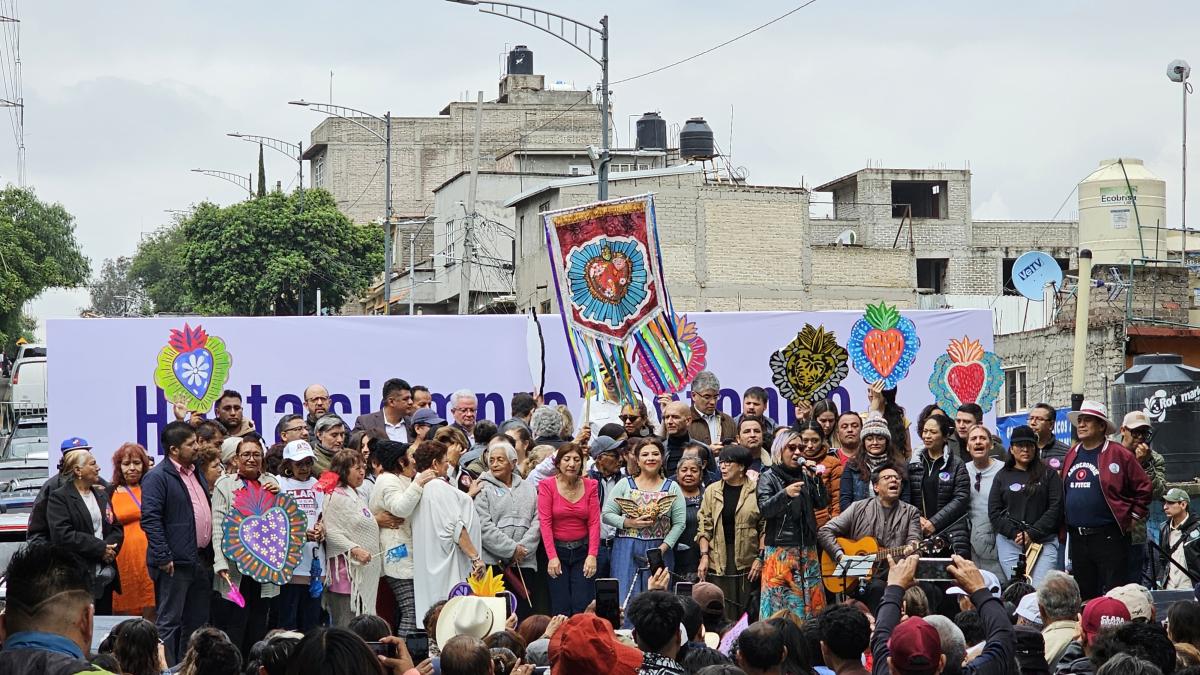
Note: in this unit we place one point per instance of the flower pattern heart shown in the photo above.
(194, 371)
(266, 537)
(262, 534)
(608, 275)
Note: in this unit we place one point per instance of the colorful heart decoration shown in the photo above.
(662, 371)
(608, 275)
(883, 345)
(193, 366)
(810, 366)
(263, 534)
(966, 374)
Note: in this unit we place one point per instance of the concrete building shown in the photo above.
(427, 152)
(726, 246)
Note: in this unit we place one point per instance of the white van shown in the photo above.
(29, 349)
(28, 392)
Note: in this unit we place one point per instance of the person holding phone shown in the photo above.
(730, 529)
(649, 513)
(789, 494)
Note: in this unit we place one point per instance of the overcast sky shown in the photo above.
(122, 99)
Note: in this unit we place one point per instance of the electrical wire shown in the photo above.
(370, 182)
(713, 49)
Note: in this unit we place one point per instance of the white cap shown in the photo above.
(297, 450)
(989, 579)
(1028, 608)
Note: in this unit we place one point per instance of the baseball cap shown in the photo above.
(989, 579)
(74, 443)
(229, 448)
(915, 645)
(1028, 608)
(1136, 599)
(297, 450)
(1101, 613)
(586, 645)
(709, 596)
(603, 444)
(1136, 420)
(1177, 495)
(1023, 434)
(427, 416)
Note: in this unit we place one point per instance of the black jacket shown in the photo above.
(950, 487)
(1190, 543)
(790, 521)
(71, 524)
(167, 517)
(1040, 511)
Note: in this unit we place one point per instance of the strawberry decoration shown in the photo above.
(883, 345)
(193, 366)
(966, 374)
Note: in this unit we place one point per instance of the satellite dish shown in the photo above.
(1178, 70)
(847, 238)
(1032, 271)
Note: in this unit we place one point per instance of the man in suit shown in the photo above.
(392, 418)
(177, 520)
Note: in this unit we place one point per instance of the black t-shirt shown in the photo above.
(1084, 498)
(731, 493)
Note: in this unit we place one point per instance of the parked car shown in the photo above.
(28, 350)
(28, 391)
(13, 527)
(25, 454)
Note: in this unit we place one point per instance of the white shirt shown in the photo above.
(714, 427)
(396, 432)
(601, 412)
(93, 507)
(311, 502)
(1176, 579)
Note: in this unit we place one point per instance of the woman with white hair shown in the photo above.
(507, 508)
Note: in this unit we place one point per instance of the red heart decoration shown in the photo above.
(608, 276)
(966, 381)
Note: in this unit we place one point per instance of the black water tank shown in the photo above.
(1169, 392)
(696, 140)
(520, 61)
(651, 132)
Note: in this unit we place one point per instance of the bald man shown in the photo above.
(316, 402)
(677, 415)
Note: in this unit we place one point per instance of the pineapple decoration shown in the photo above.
(966, 374)
(883, 345)
(810, 366)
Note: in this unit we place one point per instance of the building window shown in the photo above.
(643, 167)
(580, 169)
(319, 171)
(1009, 288)
(618, 168)
(544, 207)
(927, 199)
(931, 275)
(545, 307)
(1014, 390)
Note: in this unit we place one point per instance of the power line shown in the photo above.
(370, 182)
(713, 49)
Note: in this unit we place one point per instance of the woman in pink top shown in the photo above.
(569, 511)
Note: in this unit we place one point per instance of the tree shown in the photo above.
(116, 292)
(254, 258)
(38, 250)
(262, 173)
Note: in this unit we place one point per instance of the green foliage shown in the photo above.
(38, 251)
(253, 258)
(116, 292)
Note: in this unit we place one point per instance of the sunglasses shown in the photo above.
(978, 481)
(630, 418)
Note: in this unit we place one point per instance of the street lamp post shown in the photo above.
(1178, 71)
(569, 31)
(284, 148)
(345, 113)
(239, 180)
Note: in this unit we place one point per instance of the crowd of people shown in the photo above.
(698, 543)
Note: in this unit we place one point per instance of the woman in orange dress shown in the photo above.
(130, 463)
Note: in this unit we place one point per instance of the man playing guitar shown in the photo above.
(889, 521)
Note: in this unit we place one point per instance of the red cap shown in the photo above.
(585, 645)
(915, 646)
(1100, 613)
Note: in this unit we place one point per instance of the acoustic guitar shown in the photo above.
(836, 583)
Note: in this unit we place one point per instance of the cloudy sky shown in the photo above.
(122, 99)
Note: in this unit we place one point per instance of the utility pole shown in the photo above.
(602, 174)
(464, 284)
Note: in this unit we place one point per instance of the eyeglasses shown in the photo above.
(293, 429)
(707, 397)
(250, 455)
(978, 481)
(630, 418)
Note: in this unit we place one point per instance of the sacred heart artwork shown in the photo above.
(810, 366)
(608, 281)
(263, 534)
(883, 345)
(193, 366)
(608, 275)
(966, 374)
(662, 369)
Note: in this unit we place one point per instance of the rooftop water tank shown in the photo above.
(696, 140)
(1169, 392)
(1108, 224)
(651, 132)
(520, 61)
